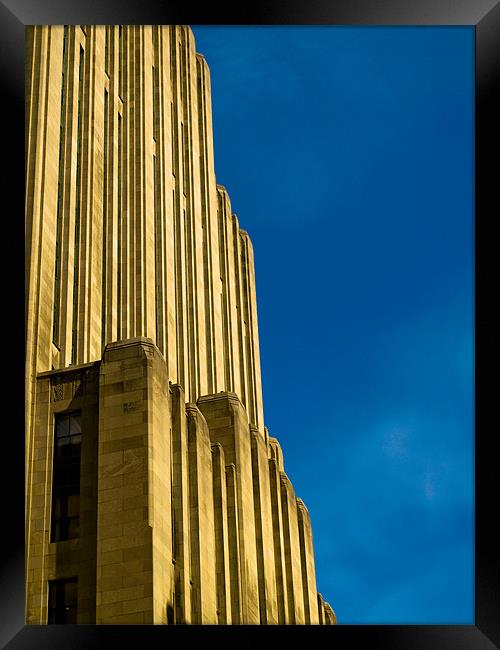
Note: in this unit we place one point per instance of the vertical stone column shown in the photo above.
(209, 233)
(321, 615)
(180, 506)
(307, 564)
(330, 618)
(179, 325)
(44, 48)
(91, 240)
(125, 264)
(278, 533)
(221, 536)
(264, 530)
(226, 296)
(88, 203)
(204, 596)
(68, 191)
(168, 171)
(196, 225)
(326, 613)
(253, 333)
(233, 528)
(140, 190)
(110, 68)
(239, 325)
(246, 328)
(228, 425)
(292, 552)
(188, 201)
(133, 502)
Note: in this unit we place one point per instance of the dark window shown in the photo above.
(63, 600)
(66, 477)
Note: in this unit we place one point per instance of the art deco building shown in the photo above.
(154, 493)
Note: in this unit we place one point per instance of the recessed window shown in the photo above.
(63, 596)
(66, 477)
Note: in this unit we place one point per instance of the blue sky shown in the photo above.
(348, 157)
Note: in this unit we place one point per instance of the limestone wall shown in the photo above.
(187, 515)
(129, 234)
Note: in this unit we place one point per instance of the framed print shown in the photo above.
(355, 216)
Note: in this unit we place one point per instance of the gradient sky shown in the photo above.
(348, 157)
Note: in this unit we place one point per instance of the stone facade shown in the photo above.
(142, 320)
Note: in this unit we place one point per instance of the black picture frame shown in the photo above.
(484, 15)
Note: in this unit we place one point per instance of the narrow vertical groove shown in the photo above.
(74, 350)
(157, 193)
(60, 192)
(106, 50)
(142, 302)
(121, 60)
(128, 180)
(158, 263)
(174, 524)
(183, 154)
(134, 143)
(119, 236)
(104, 224)
(173, 141)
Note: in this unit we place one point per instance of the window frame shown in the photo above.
(57, 605)
(66, 475)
